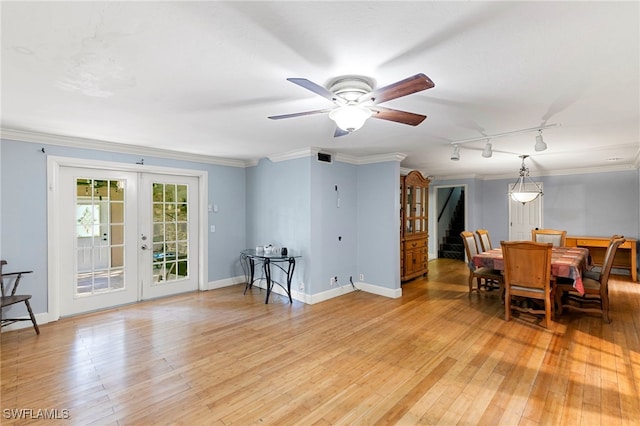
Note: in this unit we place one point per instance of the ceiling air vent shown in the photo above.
(325, 158)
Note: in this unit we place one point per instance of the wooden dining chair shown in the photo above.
(595, 271)
(9, 297)
(486, 278)
(596, 292)
(556, 237)
(485, 241)
(527, 274)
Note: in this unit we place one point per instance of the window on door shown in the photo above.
(100, 232)
(170, 232)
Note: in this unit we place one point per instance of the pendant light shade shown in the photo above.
(350, 117)
(519, 191)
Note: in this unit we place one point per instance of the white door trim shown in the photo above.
(53, 237)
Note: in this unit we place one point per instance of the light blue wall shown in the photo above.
(379, 224)
(278, 210)
(345, 232)
(23, 185)
(593, 204)
(334, 219)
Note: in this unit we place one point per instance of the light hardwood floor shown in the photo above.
(434, 356)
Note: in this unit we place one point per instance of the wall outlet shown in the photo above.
(361, 277)
(333, 281)
(301, 286)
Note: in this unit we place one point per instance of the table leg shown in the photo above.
(248, 265)
(267, 273)
(292, 267)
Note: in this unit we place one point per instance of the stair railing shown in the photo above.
(445, 203)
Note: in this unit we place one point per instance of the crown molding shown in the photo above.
(292, 155)
(343, 158)
(382, 158)
(76, 142)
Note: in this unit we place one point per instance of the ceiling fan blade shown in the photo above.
(403, 117)
(315, 88)
(339, 132)
(299, 114)
(416, 83)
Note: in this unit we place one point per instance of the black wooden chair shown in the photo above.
(11, 298)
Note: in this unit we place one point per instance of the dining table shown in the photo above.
(566, 262)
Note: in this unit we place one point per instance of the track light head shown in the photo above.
(540, 144)
(455, 155)
(487, 152)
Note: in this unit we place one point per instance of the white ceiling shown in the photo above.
(202, 77)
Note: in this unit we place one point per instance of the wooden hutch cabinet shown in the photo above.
(414, 208)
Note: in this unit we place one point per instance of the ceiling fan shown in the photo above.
(357, 100)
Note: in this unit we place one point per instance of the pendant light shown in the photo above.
(519, 191)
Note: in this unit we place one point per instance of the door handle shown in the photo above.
(144, 247)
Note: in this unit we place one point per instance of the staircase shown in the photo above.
(452, 246)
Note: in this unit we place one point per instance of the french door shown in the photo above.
(168, 235)
(124, 237)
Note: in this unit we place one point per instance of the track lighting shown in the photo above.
(455, 155)
(540, 145)
(487, 152)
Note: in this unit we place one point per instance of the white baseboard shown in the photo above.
(41, 318)
(338, 291)
(226, 282)
(380, 291)
(348, 288)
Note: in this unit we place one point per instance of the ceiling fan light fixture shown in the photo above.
(350, 117)
(487, 152)
(540, 144)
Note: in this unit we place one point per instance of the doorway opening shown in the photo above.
(451, 219)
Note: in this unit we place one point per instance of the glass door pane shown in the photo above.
(409, 204)
(170, 232)
(100, 232)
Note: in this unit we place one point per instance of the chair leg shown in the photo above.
(558, 302)
(547, 311)
(507, 308)
(33, 318)
(604, 305)
(470, 282)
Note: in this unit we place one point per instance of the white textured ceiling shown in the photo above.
(202, 77)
